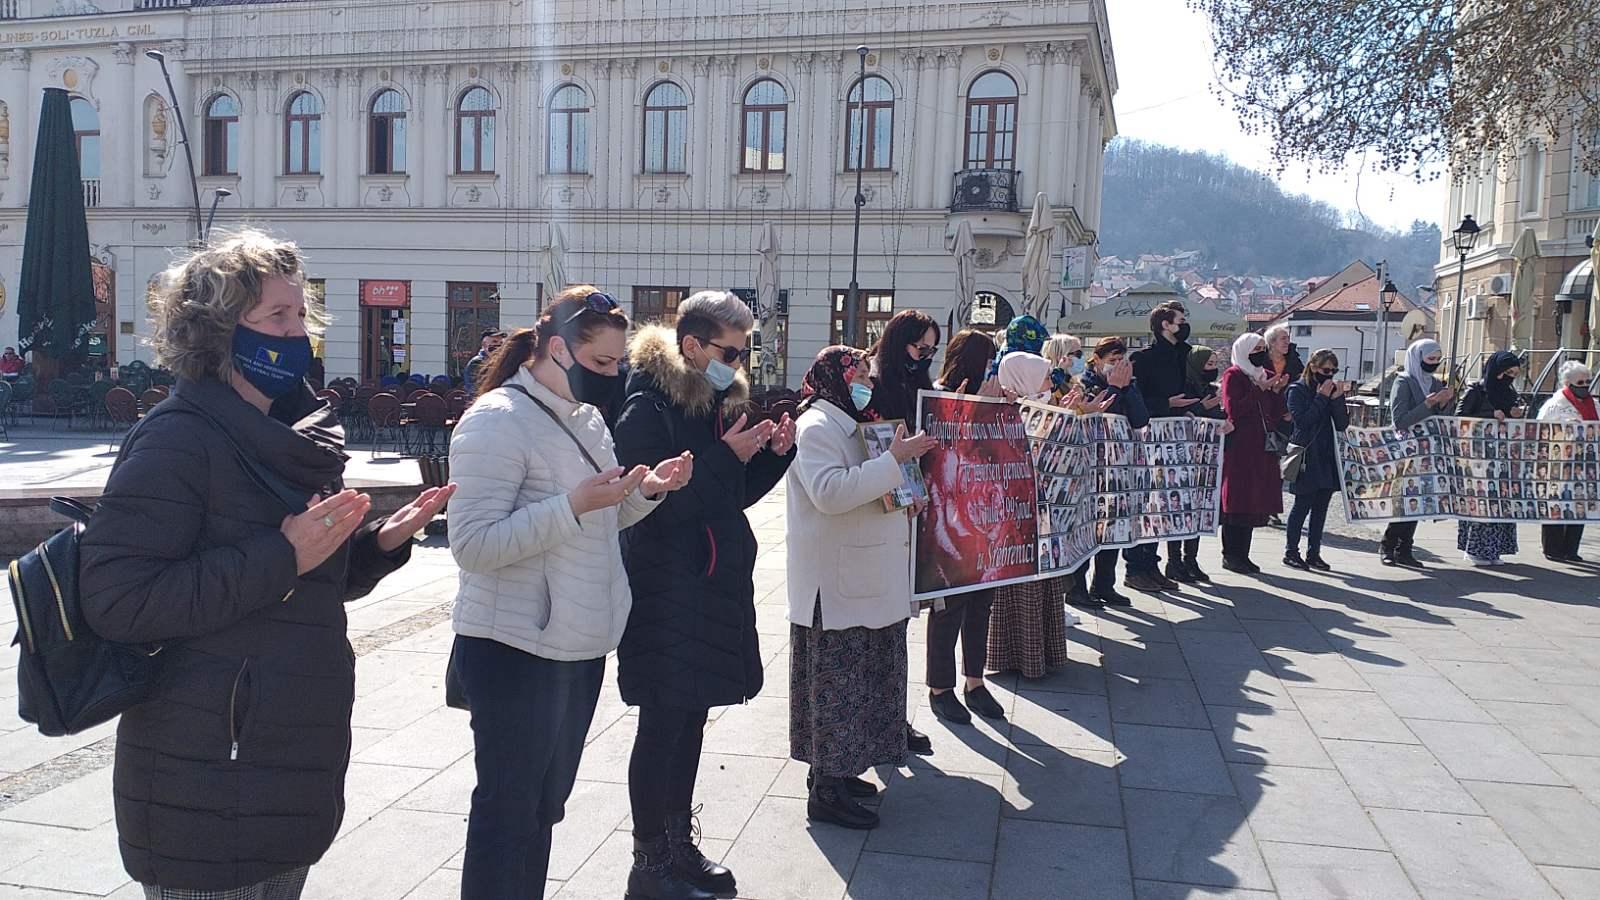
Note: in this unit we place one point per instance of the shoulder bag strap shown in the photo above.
(559, 424)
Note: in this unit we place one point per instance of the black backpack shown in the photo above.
(68, 678)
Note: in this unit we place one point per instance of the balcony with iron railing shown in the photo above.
(986, 190)
(91, 193)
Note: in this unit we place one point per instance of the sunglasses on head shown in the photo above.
(730, 355)
(597, 302)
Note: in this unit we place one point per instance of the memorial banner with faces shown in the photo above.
(1482, 470)
(1024, 491)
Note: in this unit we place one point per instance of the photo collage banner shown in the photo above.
(1482, 470)
(1024, 491)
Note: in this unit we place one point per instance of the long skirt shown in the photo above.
(847, 697)
(1028, 627)
(1486, 540)
(286, 886)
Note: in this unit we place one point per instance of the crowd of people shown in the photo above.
(598, 506)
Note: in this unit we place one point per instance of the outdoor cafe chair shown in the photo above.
(122, 410)
(383, 415)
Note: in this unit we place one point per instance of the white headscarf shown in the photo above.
(1245, 345)
(1419, 350)
(1024, 373)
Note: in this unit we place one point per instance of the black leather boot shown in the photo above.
(829, 802)
(689, 864)
(652, 877)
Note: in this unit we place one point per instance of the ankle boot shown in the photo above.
(830, 802)
(652, 877)
(689, 864)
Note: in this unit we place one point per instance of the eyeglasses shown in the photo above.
(731, 354)
(1580, 384)
(926, 351)
(597, 302)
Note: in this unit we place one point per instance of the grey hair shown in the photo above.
(196, 304)
(1271, 334)
(722, 307)
(1571, 369)
(1058, 346)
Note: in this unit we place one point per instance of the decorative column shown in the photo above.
(430, 170)
(341, 346)
(530, 161)
(127, 146)
(508, 122)
(926, 123)
(250, 192)
(724, 165)
(24, 130)
(427, 336)
(1032, 149)
(822, 144)
(270, 142)
(602, 136)
(703, 165)
(627, 148)
(949, 153)
(1087, 127)
(332, 138)
(1065, 64)
(1097, 160)
(352, 123)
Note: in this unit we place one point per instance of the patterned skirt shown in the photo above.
(1028, 627)
(1486, 540)
(847, 697)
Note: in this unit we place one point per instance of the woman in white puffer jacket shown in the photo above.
(1572, 404)
(543, 596)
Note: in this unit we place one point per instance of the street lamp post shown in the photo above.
(852, 299)
(1386, 300)
(1464, 237)
(216, 197)
(183, 138)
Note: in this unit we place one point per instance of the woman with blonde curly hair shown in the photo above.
(226, 537)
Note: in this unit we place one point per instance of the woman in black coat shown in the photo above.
(691, 639)
(224, 535)
(1494, 397)
(1316, 403)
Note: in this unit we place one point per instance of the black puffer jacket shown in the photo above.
(691, 637)
(233, 771)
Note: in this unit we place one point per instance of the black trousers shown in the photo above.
(1236, 541)
(964, 617)
(529, 719)
(1561, 541)
(1399, 536)
(664, 766)
(1183, 550)
(1105, 571)
(1142, 560)
(1314, 505)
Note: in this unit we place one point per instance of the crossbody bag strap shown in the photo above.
(559, 424)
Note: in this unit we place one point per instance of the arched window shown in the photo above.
(475, 132)
(869, 126)
(222, 136)
(992, 122)
(666, 126)
(568, 151)
(302, 135)
(766, 109)
(387, 138)
(86, 135)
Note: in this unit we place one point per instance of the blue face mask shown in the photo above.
(860, 395)
(1077, 366)
(720, 374)
(273, 365)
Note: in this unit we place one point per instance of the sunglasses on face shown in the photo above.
(1329, 373)
(730, 355)
(597, 302)
(1582, 384)
(926, 351)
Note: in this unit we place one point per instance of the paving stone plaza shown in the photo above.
(1372, 733)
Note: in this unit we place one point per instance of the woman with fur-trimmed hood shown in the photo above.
(690, 643)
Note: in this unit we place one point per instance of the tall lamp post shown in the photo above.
(852, 299)
(183, 138)
(1386, 301)
(216, 197)
(1464, 237)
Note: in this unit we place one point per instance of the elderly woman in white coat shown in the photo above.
(543, 596)
(1573, 404)
(849, 568)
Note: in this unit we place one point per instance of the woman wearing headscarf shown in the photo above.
(1251, 489)
(1200, 384)
(1028, 623)
(1023, 335)
(849, 585)
(1417, 394)
(1573, 403)
(1493, 397)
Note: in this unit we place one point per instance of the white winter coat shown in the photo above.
(1559, 409)
(841, 542)
(533, 575)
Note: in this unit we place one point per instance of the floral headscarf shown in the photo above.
(829, 379)
(1025, 334)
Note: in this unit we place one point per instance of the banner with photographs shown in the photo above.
(1019, 492)
(1483, 470)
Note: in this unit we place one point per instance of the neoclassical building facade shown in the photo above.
(429, 155)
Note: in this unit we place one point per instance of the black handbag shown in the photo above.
(69, 678)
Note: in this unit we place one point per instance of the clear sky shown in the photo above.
(1165, 70)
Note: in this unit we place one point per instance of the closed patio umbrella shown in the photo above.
(554, 261)
(1036, 259)
(1524, 251)
(767, 304)
(965, 250)
(55, 295)
(1594, 289)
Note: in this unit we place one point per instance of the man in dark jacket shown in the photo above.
(691, 639)
(1161, 371)
(488, 343)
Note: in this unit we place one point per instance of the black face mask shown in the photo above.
(1209, 375)
(1260, 358)
(1429, 367)
(588, 386)
(1320, 378)
(918, 366)
(1183, 333)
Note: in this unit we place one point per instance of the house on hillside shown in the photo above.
(1345, 319)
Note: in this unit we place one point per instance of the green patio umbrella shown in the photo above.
(1524, 251)
(55, 299)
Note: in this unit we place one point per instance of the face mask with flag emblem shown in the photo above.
(273, 365)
